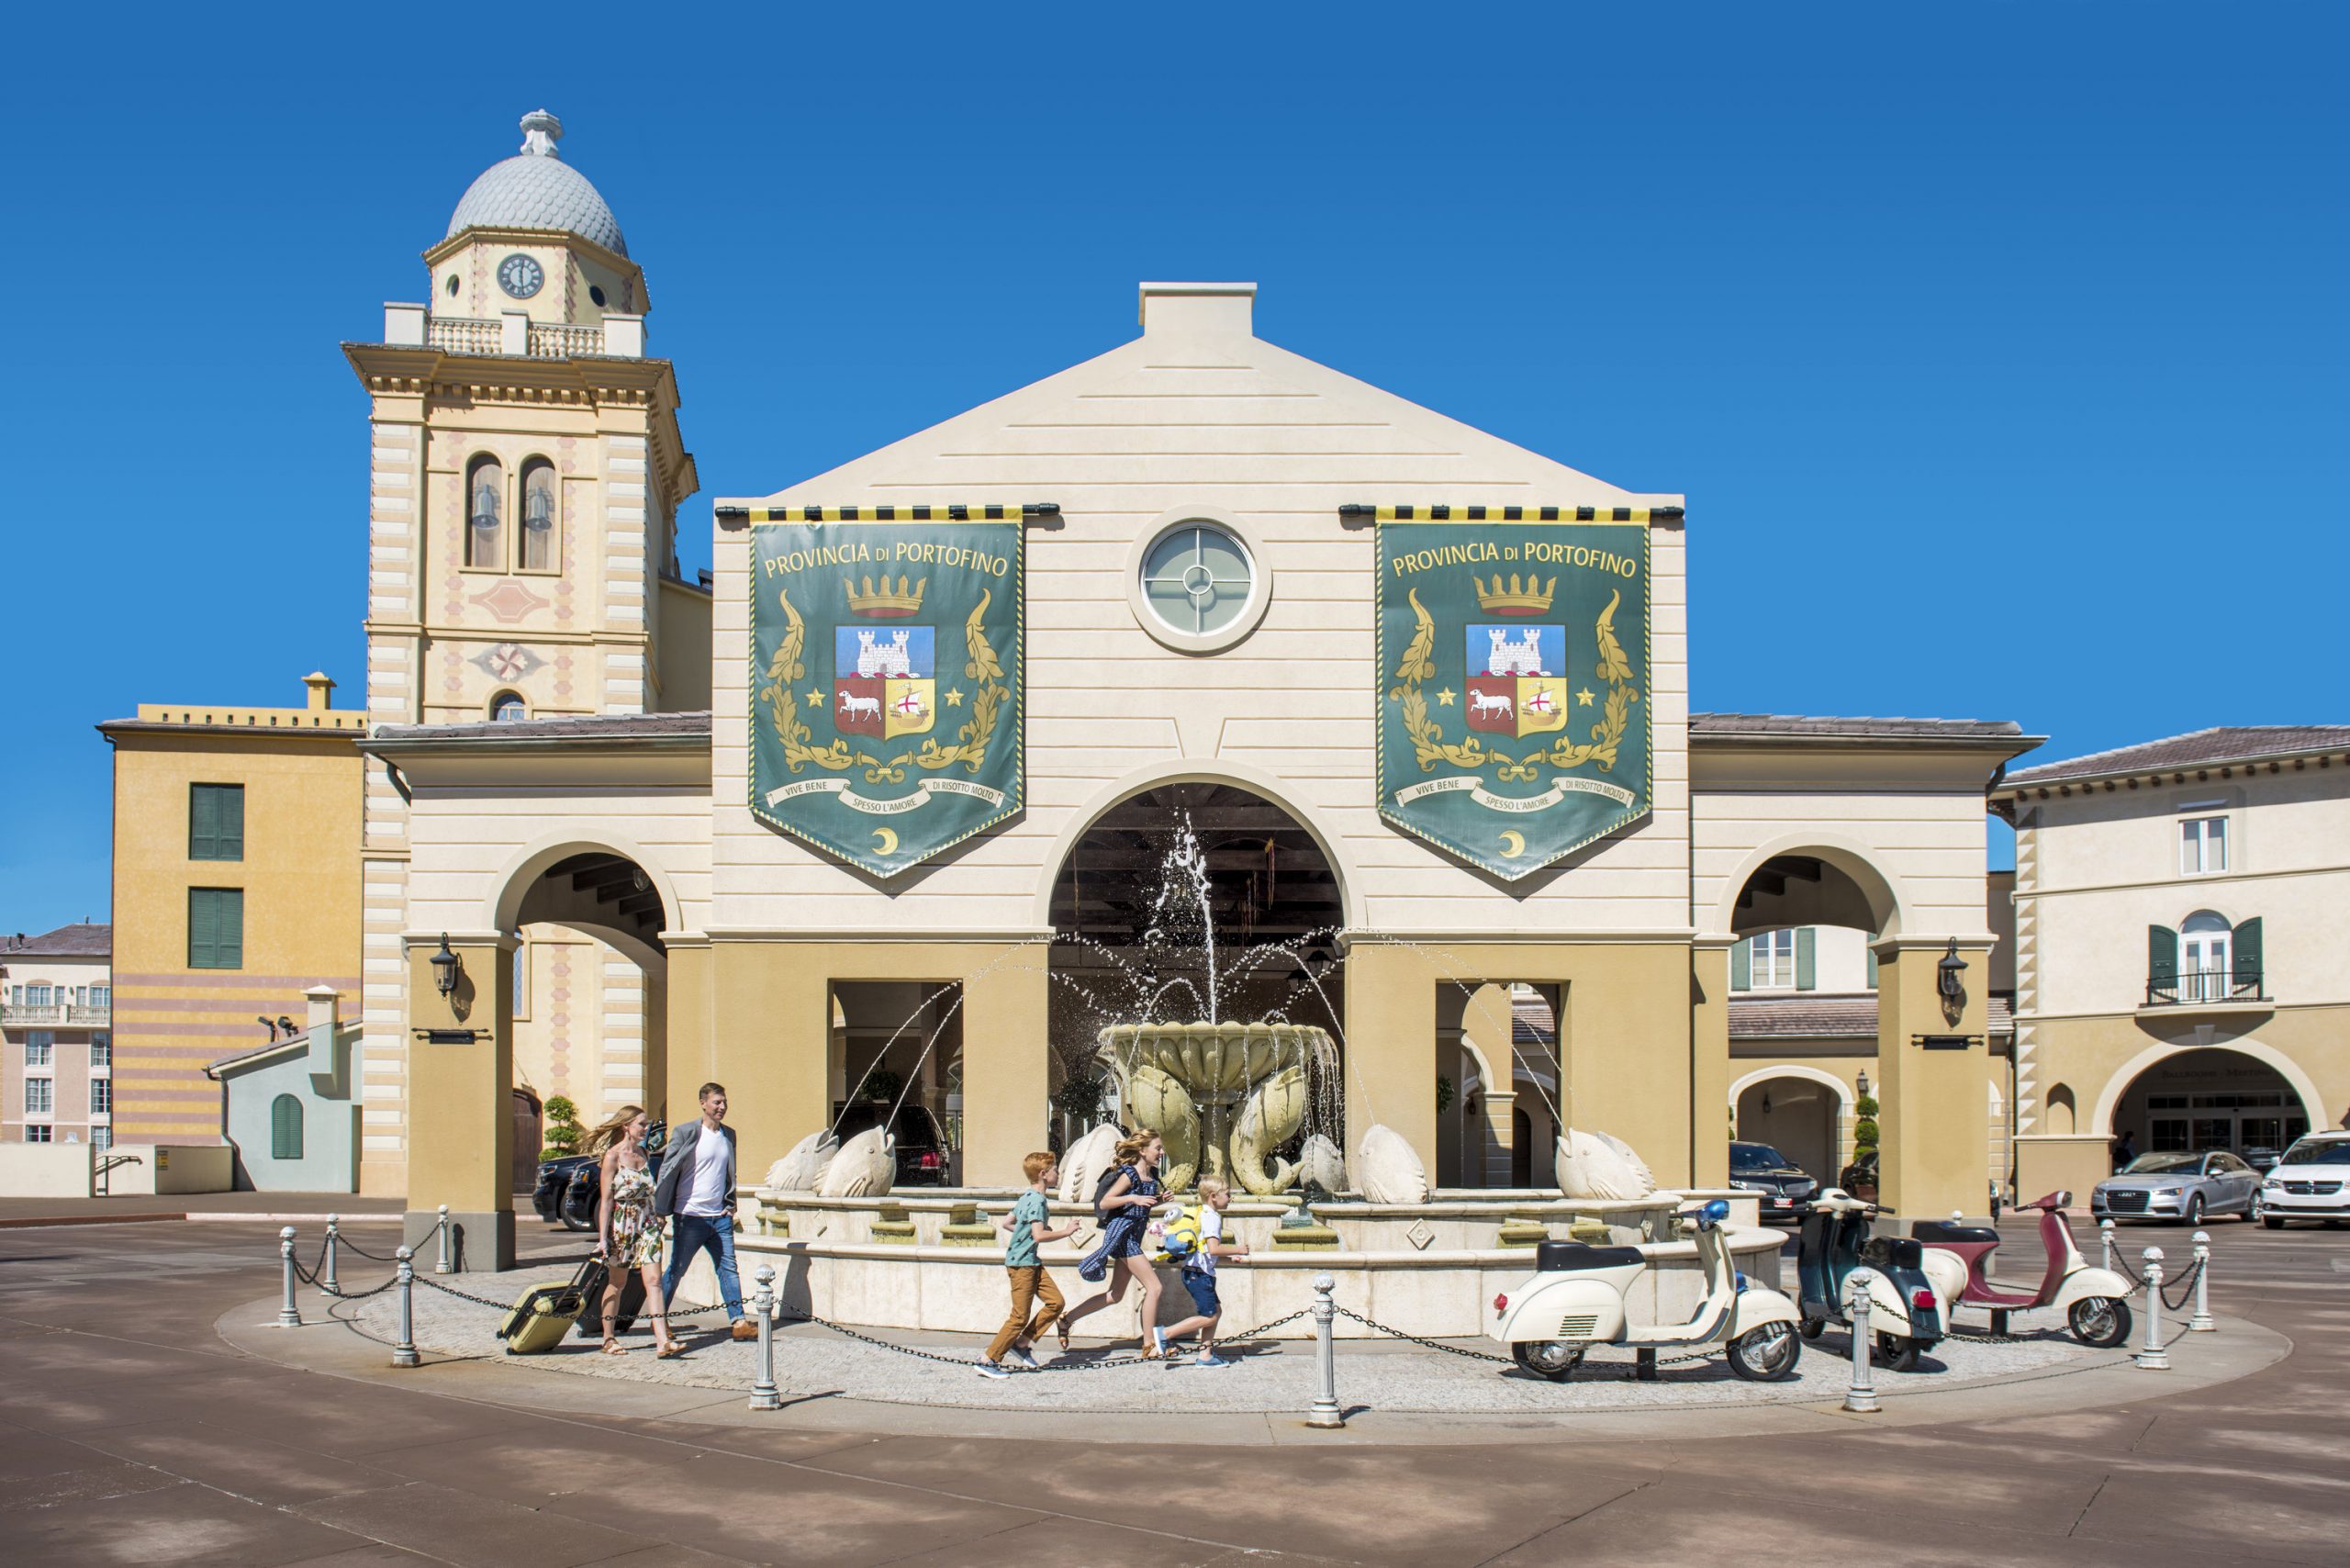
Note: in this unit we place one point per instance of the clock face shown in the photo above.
(520, 276)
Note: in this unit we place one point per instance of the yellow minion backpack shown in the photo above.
(1179, 1237)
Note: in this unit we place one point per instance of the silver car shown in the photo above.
(2183, 1187)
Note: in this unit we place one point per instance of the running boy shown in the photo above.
(1199, 1275)
(1029, 1223)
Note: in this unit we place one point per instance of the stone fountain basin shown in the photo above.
(830, 1265)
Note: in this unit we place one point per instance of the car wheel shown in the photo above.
(578, 1208)
(1897, 1352)
(1767, 1354)
(2251, 1207)
(2100, 1322)
(2194, 1212)
(2274, 1222)
(1553, 1359)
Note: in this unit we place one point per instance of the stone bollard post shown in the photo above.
(404, 1353)
(2105, 1235)
(2152, 1356)
(1861, 1398)
(2202, 1323)
(763, 1389)
(288, 1314)
(444, 1266)
(327, 1280)
(1326, 1411)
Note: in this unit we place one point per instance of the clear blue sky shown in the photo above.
(1999, 350)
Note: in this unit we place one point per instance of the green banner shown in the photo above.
(1512, 728)
(885, 709)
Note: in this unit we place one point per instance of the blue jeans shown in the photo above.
(691, 1235)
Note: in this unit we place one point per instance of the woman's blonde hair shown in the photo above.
(613, 1128)
(1130, 1148)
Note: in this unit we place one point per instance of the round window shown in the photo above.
(1197, 579)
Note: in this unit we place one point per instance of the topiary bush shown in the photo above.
(563, 1131)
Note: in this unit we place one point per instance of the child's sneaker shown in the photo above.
(989, 1369)
(1024, 1357)
(1210, 1361)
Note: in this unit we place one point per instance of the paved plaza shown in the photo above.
(148, 1416)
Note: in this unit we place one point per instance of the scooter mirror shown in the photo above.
(1713, 1214)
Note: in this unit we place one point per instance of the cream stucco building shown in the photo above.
(562, 732)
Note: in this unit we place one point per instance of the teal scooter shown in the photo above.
(1911, 1287)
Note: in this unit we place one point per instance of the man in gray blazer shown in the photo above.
(696, 1190)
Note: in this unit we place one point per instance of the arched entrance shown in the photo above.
(588, 983)
(2198, 1098)
(1187, 896)
(1799, 1112)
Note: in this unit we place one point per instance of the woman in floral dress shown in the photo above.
(628, 1232)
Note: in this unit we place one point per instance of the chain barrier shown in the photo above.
(2186, 1281)
(310, 1277)
(1466, 1353)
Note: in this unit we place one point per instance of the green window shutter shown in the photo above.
(1807, 958)
(202, 823)
(286, 1127)
(233, 928)
(2246, 946)
(233, 821)
(1741, 966)
(215, 928)
(2162, 957)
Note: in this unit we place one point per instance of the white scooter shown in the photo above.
(1575, 1300)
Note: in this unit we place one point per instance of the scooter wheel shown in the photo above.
(1553, 1359)
(1813, 1327)
(2101, 1321)
(1897, 1352)
(1767, 1354)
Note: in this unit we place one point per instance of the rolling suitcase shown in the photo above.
(538, 1320)
(591, 1311)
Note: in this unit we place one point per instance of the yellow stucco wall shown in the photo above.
(300, 880)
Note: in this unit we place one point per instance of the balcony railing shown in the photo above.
(514, 335)
(2241, 983)
(53, 1013)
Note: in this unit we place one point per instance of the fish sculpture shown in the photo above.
(800, 1171)
(1155, 1100)
(866, 1167)
(1269, 1117)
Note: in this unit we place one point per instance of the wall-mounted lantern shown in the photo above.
(446, 968)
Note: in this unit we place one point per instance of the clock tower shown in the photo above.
(525, 472)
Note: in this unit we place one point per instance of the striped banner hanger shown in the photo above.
(738, 517)
(1512, 514)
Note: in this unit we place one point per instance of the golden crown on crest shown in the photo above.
(1531, 599)
(885, 602)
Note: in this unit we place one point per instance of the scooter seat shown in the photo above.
(1892, 1252)
(1566, 1257)
(1941, 1230)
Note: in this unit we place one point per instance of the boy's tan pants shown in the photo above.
(1028, 1285)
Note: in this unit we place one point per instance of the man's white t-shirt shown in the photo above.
(1211, 1229)
(707, 1197)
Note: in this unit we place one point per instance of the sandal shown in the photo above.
(1062, 1330)
(613, 1347)
(665, 1351)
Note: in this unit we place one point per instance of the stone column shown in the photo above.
(770, 1036)
(461, 1127)
(1007, 1110)
(1930, 1102)
(1710, 1074)
(1500, 1139)
(1488, 1023)
(1391, 1048)
(682, 1061)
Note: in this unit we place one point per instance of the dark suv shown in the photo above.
(921, 1153)
(1784, 1190)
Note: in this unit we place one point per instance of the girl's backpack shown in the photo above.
(1102, 1188)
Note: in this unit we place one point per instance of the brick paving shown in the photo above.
(132, 1431)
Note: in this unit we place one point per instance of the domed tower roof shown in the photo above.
(536, 189)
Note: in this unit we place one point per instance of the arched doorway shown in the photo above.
(588, 980)
(1799, 1115)
(2204, 1098)
(1188, 896)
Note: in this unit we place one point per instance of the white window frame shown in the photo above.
(1770, 956)
(101, 1088)
(47, 1135)
(48, 1094)
(40, 1049)
(2197, 836)
(101, 1137)
(102, 1052)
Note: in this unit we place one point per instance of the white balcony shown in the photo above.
(514, 335)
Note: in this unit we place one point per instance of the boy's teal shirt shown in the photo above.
(1031, 1210)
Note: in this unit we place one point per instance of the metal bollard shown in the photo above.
(1325, 1361)
(2152, 1356)
(2105, 1235)
(763, 1391)
(404, 1353)
(443, 1267)
(1861, 1398)
(288, 1314)
(2202, 1323)
(327, 1281)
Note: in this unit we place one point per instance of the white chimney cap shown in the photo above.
(1199, 307)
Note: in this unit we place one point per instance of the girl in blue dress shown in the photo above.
(1124, 1213)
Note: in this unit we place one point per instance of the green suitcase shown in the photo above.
(545, 1313)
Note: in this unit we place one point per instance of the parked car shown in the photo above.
(569, 1188)
(1784, 1188)
(922, 1152)
(2311, 1182)
(2183, 1187)
(2262, 1158)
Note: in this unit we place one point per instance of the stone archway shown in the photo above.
(1800, 1111)
(2183, 1098)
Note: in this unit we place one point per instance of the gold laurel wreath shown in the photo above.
(971, 742)
(1428, 742)
(784, 671)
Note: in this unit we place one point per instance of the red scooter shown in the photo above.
(2094, 1301)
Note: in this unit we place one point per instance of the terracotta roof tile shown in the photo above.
(83, 939)
(2198, 748)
